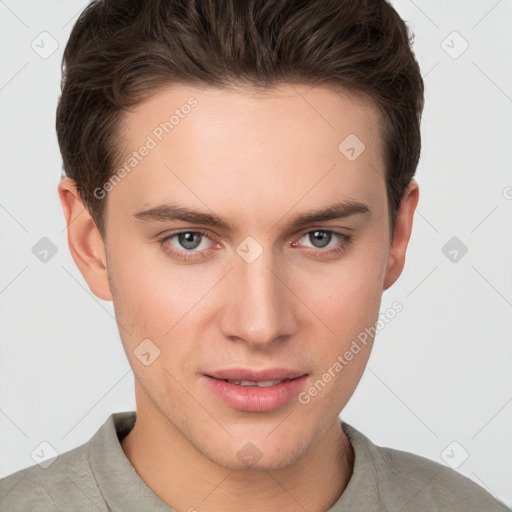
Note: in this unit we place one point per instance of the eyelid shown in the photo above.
(295, 236)
(332, 229)
(182, 254)
(345, 240)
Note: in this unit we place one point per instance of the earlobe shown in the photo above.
(401, 234)
(84, 240)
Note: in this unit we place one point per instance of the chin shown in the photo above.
(257, 455)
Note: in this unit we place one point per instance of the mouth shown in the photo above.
(255, 390)
(260, 384)
(252, 375)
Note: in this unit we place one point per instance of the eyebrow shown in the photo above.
(170, 212)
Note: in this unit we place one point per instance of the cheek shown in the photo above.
(150, 305)
(347, 295)
(157, 300)
(347, 302)
(143, 299)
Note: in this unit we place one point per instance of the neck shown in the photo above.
(185, 479)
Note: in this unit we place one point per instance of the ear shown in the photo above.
(84, 240)
(401, 234)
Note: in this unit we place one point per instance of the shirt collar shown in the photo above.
(121, 486)
(125, 491)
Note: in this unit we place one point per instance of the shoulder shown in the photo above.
(407, 482)
(67, 483)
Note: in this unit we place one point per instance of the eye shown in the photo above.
(322, 238)
(189, 239)
(186, 244)
(197, 244)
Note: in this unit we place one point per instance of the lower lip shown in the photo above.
(253, 398)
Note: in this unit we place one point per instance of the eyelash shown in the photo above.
(344, 242)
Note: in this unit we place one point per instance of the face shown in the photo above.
(217, 255)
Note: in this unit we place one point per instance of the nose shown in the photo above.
(259, 306)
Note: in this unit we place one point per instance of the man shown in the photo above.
(239, 182)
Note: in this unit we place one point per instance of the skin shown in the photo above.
(257, 160)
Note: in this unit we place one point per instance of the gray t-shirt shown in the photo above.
(97, 476)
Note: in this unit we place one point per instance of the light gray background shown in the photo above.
(440, 371)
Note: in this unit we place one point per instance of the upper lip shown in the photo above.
(256, 375)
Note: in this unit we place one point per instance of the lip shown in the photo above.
(252, 398)
(256, 375)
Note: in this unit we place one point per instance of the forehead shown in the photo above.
(255, 149)
(211, 111)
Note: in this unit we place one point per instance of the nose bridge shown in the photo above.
(259, 309)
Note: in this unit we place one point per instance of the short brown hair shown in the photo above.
(120, 52)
